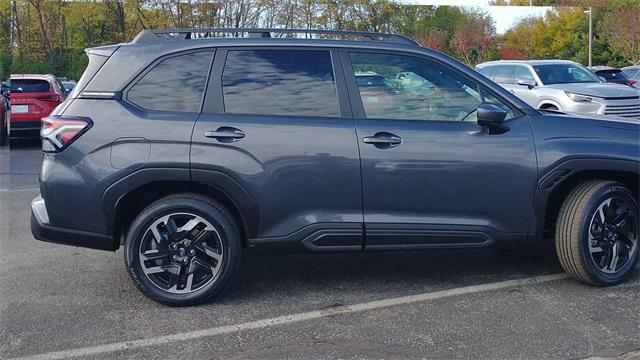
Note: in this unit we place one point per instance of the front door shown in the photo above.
(274, 123)
(431, 175)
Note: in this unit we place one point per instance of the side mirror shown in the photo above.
(602, 78)
(492, 116)
(528, 83)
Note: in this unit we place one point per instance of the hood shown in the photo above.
(600, 90)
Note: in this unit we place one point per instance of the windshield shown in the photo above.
(564, 74)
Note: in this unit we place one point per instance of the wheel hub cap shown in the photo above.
(181, 253)
(613, 234)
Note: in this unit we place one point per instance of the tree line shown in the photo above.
(49, 36)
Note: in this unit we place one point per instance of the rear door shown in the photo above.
(278, 123)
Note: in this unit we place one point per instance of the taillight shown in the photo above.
(59, 131)
(632, 81)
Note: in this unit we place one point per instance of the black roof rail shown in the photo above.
(153, 35)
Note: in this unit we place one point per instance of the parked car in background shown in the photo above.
(632, 72)
(563, 86)
(613, 75)
(4, 112)
(198, 151)
(33, 97)
(68, 85)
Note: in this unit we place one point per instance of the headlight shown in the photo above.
(578, 97)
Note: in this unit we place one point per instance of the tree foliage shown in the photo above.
(563, 34)
(49, 36)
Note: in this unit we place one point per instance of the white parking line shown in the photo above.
(290, 319)
(16, 190)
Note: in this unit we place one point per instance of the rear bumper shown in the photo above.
(43, 231)
(20, 129)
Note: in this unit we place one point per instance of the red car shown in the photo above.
(32, 98)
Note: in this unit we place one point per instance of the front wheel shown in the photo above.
(597, 233)
(182, 250)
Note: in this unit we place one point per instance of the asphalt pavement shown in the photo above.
(59, 301)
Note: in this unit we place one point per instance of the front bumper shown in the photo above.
(42, 230)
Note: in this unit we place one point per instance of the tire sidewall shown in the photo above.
(217, 217)
(600, 277)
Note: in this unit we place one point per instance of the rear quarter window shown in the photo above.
(29, 85)
(175, 84)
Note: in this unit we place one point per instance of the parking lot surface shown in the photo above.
(61, 301)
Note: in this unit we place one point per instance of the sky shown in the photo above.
(504, 16)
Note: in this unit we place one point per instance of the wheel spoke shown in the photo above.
(190, 225)
(595, 249)
(154, 254)
(211, 252)
(157, 237)
(162, 268)
(189, 285)
(613, 261)
(172, 228)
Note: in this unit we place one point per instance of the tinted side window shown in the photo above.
(487, 71)
(504, 74)
(175, 84)
(523, 74)
(279, 82)
(412, 88)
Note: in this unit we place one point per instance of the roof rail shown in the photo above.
(152, 35)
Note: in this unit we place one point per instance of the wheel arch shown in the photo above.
(547, 102)
(557, 183)
(142, 188)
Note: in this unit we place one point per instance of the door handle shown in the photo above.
(383, 140)
(225, 134)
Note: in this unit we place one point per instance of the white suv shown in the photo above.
(564, 86)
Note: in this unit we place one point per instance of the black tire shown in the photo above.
(227, 236)
(575, 226)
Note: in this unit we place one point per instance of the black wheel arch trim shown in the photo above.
(216, 180)
(559, 172)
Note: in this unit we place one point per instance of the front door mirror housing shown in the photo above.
(492, 117)
(528, 83)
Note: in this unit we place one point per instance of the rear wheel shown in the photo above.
(182, 250)
(597, 233)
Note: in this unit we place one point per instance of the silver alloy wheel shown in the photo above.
(613, 234)
(181, 253)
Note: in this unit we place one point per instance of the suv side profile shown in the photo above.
(193, 152)
(563, 85)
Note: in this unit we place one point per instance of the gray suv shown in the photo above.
(564, 86)
(192, 148)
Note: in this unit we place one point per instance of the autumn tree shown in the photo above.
(621, 26)
(473, 37)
